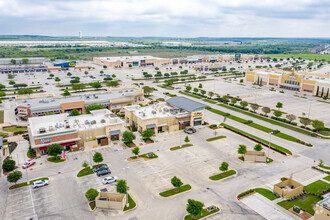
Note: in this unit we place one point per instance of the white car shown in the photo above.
(110, 179)
(39, 183)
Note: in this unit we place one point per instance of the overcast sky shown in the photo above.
(170, 18)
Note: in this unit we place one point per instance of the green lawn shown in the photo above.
(324, 167)
(205, 213)
(266, 193)
(317, 187)
(178, 147)
(327, 178)
(306, 204)
(2, 116)
(223, 175)
(303, 56)
(175, 191)
(88, 171)
(215, 138)
(92, 205)
(145, 156)
(3, 134)
(259, 140)
(210, 101)
(191, 95)
(25, 183)
(55, 160)
(131, 202)
(15, 129)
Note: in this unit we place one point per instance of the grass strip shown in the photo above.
(2, 116)
(25, 183)
(318, 187)
(223, 175)
(266, 193)
(210, 101)
(191, 95)
(131, 202)
(306, 205)
(178, 147)
(55, 159)
(175, 191)
(215, 138)
(88, 171)
(202, 215)
(327, 178)
(259, 140)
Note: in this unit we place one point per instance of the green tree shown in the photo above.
(69, 74)
(233, 101)
(79, 86)
(200, 85)
(258, 147)
(93, 106)
(2, 94)
(25, 60)
(128, 137)
(210, 94)
(11, 76)
(136, 151)
(147, 90)
(91, 194)
(75, 112)
(121, 186)
(66, 93)
(11, 82)
(176, 182)
(113, 75)
(57, 79)
(194, 207)
(112, 83)
(305, 121)
(20, 85)
(203, 92)
(31, 153)
(279, 105)
(195, 90)
(97, 158)
(186, 139)
(101, 72)
(241, 80)
(86, 73)
(51, 75)
(147, 134)
(2, 87)
(85, 164)
(266, 110)
(188, 88)
(254, 106)
(317, 125)
(225, 99)
(291, 117)
(13, 177)
(224, 166)
(244, 104)
(13, 61)
(95, 85)
(277, 113)
(25, 91)
(54, 150)
(242, 149)
(8, 165)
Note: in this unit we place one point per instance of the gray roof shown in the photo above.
(185, 103)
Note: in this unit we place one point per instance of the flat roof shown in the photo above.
(51, 102)
(185, 103)
(129, 58)
(325, 203)
(53, 124)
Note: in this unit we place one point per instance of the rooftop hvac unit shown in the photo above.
(93, 122)
(86, 122)
(87, 96)
(51, 128)
(76, 121)
(102, 120)
(67, 125)
(42, 130)
(120, 91)
(154, 112)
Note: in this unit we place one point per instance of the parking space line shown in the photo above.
(20, 210)
(17, 204)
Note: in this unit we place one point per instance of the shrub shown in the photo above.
(213, 126)
(91, 194)
(8, 165)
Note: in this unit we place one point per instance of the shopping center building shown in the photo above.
(113, 99)
(313, 83)
(177, 112)
(131, 61)
(74, 133)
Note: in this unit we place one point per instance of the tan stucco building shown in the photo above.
(107, 200)
(288, 188)
(178, 112)
(74, 133)
(131, 61)
(322, 209)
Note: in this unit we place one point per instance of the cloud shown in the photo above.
(161, 17)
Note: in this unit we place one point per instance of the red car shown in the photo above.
(28, 164)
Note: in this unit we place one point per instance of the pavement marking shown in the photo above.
(19, 210)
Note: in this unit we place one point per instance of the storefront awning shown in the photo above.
(151, 126)
(115, 132)
(68, 143)
(45, 110)
(162, 125)
(57, 142)
(100, 137)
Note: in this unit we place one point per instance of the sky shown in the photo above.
(166, 18)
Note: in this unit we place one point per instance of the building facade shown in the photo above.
(131, 61)
(74, 133)
(114, 99)
(322, 209)
(176, 113)
(316, 84)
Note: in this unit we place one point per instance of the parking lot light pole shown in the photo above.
(309, 109)
(127, 202)
(26, 169)
(270, 138)
(180, 125)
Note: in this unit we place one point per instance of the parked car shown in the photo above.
(190, 130)
(46, 83)
(39, 183)
(49, 78)
(110, 179)
(102, 167)
(103, 172)
(28, 164)
(102, 190)
(142, 84)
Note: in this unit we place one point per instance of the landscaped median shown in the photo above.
(25, 183)
(215, 138)
(180, 147)
(55, 159)
(88, 171)
(131, 202)
(223, 175)
(259, 140)
(147, 156)
(262, 191)
(204, 214)
(175, 191)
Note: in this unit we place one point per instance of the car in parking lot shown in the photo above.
(110, 179)
(102, 167)
(142, 84)
(39, 183)
(103, 172)
(102, 190)
(28, 163)
(190, 130)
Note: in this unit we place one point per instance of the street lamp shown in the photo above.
(180, 125)
(26, 169)
(127, 203)
(309, 109)
(270, 138)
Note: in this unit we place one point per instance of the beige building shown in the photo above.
(313, 83)
(255, 156)
(288, 188)
(107, 200)
(322, 209)
(178, 112)
(131, 61)
(75, 132)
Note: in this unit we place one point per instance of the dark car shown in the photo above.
(103, 167)
(190, 130)
(103, 172)
(142, 84)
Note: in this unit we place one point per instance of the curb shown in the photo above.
(213, 181)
